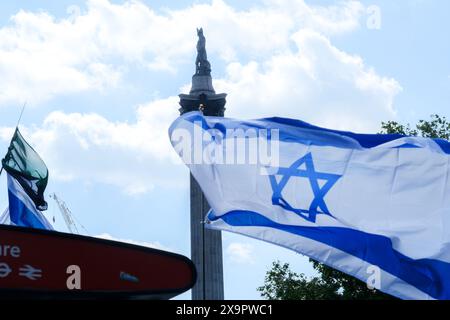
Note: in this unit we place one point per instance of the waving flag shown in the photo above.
(376, 207)
(27, 180)
(4, 218)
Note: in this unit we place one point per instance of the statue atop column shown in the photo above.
(203, 67)
(202, 96)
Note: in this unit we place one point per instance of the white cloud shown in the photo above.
(239, 252)
(289, 67)
(134, 157)
(154, 245)
(329, 20)
(317, 83)
(42, 56)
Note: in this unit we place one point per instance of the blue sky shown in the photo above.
(101, 80)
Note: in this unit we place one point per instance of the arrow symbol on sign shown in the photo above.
(30, 272)
(5, 270)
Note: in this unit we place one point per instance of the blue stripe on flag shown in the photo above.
(310, 134)
(22, 211)
(428, 275)
(365, 140)
(21, 215)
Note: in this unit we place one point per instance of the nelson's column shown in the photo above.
(206, 244)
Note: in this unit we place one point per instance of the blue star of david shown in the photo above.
(318, 205)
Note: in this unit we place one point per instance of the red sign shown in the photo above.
(57, 265)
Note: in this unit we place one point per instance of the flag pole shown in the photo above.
(17, 125)
(21, 114)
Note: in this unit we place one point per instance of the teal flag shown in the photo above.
(24, 164)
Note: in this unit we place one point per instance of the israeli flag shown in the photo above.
(376, 207)
(22, 210)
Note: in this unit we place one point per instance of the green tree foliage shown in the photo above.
(436, 127)
(281, 283)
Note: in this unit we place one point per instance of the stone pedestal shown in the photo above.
(203, 97)
(201, 84)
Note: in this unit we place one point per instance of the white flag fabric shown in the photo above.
(376, 207)
(4, 218)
